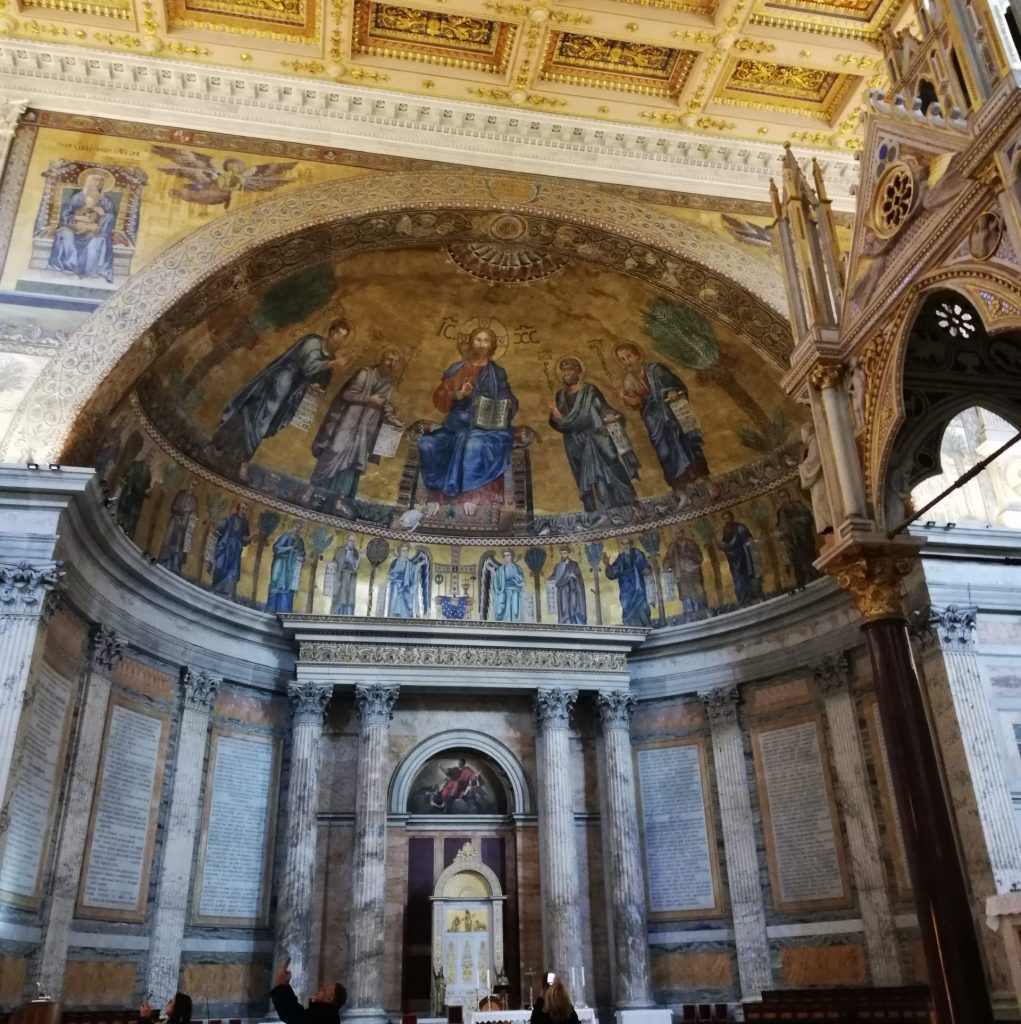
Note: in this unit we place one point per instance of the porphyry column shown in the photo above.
(833, 677)
(104, 653)
(26, 595)
(374, 705)
(172, 895)
(632, 982)
(558, 855)
(739, 842)
(294, 903)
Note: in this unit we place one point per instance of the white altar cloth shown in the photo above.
(585, 1014)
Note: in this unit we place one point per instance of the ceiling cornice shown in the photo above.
(155, 90)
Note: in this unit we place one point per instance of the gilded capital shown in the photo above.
(615, 708)
(873, 578)
(720, 704)
(826, 375)
(374, 703)
(553, 707)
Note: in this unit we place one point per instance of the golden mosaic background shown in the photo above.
(777, 71)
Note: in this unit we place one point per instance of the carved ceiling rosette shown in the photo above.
(553, 707)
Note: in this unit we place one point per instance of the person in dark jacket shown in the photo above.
(177, 1011)
(323, 1007)
(554, 1006)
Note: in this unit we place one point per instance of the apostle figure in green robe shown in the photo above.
(595, 442)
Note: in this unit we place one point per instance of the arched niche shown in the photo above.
(467, 932)
(519, 795)
(951, 363)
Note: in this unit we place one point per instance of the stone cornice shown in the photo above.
(156, 90)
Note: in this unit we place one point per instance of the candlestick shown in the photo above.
(573, 986)
(582, 975)
(531, 998)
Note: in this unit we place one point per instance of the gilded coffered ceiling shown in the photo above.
(773, 71)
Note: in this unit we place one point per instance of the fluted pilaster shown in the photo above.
(27, 593)
(174, 889)
(626, 883)
(558, 854)
(739, 842)
(294, 903)
(48, 974)
(953, 630)
(374, 705)
(833, 677)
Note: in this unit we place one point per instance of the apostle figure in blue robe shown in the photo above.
(83, 241)
(652, 388)
(285, 572)
(232, 536)
(407, 591)
(268, 402)
(508, 590)
(468, 455)
(742, 551)
(629, 569)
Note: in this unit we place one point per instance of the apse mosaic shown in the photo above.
(393, 435)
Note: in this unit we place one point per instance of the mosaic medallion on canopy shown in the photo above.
(474, 373)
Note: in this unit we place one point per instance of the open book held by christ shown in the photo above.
(492, 413)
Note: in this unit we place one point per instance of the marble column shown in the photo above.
(558, 847)
(739, 845)
(374, 706)
(851, 484)
(833, 679)
(294, 902)
(953, 629)
(174, 888)
(27, 593)
(48, 973)
(632, 984)
(11, 108)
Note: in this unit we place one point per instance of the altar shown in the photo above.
(585, 1014)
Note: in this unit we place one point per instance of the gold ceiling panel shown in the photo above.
(706, 7)
(453, 40)
(288, 19)
(122, 9)
(859, 10)
(620, 64)
(787, 88)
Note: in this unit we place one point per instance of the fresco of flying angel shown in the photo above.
(213, 186)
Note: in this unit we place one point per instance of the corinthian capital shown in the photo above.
(27, 589)
(833, 673)
(720, 704)
(374, 704)
(106, 648)
(11, 109)
(826, 375)
(954, 627)
(200, 689)
(553, 707)
(615, 707)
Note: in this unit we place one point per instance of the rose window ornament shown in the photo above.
(895, 200)
(955, 320)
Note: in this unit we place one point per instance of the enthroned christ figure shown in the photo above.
(467, 456)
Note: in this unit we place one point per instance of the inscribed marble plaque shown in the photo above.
(39, 760)
(678, 851)
(238, 826)
(119, 850)
(805, 862)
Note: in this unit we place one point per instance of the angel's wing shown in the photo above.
(747, 231)
(421, 563)
(266, 177)
(197, 167)
(487, 567)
